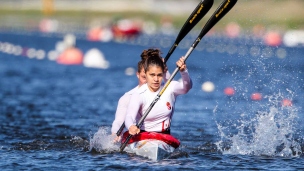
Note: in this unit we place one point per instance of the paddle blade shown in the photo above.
(220, 12)
(199, 12)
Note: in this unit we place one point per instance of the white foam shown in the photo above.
(269, 133)
(102, 141)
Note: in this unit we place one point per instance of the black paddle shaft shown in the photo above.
(219, 13)
(199, 12)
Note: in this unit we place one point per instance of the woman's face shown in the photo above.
(141, 77)
(154, 76)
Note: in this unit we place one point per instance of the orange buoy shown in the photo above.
(233, 30)
(258, 30)
(94, 34)
(286, 102)
(48, 25)
(229, 91)
(70, 56)
(273, 39)
(256, 96)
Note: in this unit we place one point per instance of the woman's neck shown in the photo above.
(153, 90)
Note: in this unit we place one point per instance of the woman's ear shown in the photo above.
(137, 74)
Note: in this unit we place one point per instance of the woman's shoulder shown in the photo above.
(173, 83)
(130, 92)
(142, 89)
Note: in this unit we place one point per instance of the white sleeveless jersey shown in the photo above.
(159, 118)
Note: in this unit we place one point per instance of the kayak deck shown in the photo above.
(153, 149)
(153, 145)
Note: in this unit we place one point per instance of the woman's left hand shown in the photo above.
(116, 138)
(181, 64)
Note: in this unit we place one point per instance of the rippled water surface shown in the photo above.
(58, 117)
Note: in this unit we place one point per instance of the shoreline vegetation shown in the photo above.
(275, 14)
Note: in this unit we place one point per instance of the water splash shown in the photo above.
(102, 141)
(270, 132)
(80, 142)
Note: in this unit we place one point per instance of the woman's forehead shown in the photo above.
(154, 68)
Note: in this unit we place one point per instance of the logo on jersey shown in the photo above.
(168, 105)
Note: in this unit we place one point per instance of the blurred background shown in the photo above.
(133, 17)
(272, 22)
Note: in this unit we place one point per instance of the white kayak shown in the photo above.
(152, 149)
(152, 145)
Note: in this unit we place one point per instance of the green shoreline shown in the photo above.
(279, 14)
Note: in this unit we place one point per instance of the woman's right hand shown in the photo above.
(181, 64)
(134, 130)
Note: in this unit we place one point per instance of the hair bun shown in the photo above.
(149, 53)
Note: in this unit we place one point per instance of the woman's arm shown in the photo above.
(186, 84)
(121, 112)
(167, 76)
(132, 112)
(167, 73)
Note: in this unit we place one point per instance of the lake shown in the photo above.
(58, 117)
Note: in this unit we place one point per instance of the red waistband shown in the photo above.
(167, 138)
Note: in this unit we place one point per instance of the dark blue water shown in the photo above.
(57, 117)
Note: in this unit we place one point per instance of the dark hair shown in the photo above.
(140, 65)
(150, 52)
(145, 55)
(154, 60)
